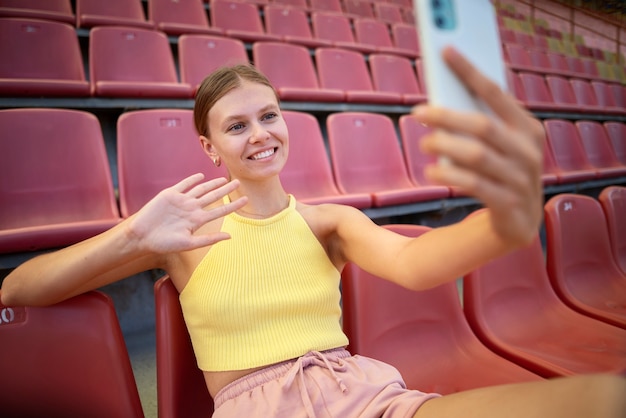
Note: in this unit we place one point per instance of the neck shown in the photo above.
(263, 202)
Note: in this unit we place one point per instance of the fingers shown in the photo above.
(501, 103)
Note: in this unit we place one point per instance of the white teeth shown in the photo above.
(263, 154)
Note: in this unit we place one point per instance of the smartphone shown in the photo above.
(471, 27)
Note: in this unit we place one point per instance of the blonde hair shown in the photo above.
(217, 84)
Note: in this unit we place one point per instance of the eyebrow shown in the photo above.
(233, 118)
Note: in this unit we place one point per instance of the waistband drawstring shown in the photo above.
(316, 358)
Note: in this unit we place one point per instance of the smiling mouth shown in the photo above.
(264, 154)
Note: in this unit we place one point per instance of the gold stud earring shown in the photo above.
(217, 161)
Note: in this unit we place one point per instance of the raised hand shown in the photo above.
(498, 160)
(168, 223)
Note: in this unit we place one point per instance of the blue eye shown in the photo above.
(270, 115)
(235, 127)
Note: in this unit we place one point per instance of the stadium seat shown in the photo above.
(307, 174)
(57, 10)
(613, 201)
(619, 94)
(291, 25)
(401, 327)
(294, 4)
(366, 158)
(511, 306)
(239, 20)
(57, 188)
(66, 360)
(388, 12)
(200, 55)
(563, 94)
(337, 29)
(538, 95)
(411, 133)
(395, 74)
(157, 148)
(518, 58)
(178, 18)
(376, 34)
(579, 259)
(604, 95)
(586, 96)
(617, 136)
(405, 36)
(356, 83)
(40, 58)
(567, 151)
(358, 8)
(326, 6)
(296, 81)
(181, 389)
(133, 62)
(90, 13)
(598, 149)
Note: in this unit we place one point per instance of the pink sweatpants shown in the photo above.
(327, 384)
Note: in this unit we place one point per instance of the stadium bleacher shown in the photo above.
(119, 76)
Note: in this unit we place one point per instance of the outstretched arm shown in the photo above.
(498, 160)
(166, 224)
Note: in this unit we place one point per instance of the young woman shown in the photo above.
(258, 272)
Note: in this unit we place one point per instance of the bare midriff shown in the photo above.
(216, 381)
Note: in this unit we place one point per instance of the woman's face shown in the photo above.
(248, 133)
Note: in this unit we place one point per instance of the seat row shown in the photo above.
(131, 62)
(522, 58)
(515, 325)
(58, 184)
(192, 14)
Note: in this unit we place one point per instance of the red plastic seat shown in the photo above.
(395, 74)
(200, 55)
(337, 29)
(598, 149)
(294, 4)
(388, 12)
(239, 20)
(56, 182)
(58, 10)
(411, 133)
(423, 334)
(26, 67)
(604, 95)
(358, 8)
(326, 6)
(538, 95)
(296, 81)
(307, 173)
(613, 201)
(580, 263)
(177, 18)
(563, 95)
(518, 58)
(406, 37)
(356, 83)
(511, 306)
(586, 96)
(181, 389)
(376, 34)
(619, 94)
(567, 151)
(291, 25)
(133, 62)
(157, 148)
(617, 136)
(66, 360)
(366, 158)
(90, 13)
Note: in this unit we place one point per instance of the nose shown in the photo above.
(259, 133)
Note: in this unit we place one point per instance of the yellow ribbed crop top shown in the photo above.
(266, 295)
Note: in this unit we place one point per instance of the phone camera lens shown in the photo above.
(440, 21)
(436, 4)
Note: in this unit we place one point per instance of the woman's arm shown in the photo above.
(165, 225)
(497, 159)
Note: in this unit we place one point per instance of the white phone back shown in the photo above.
(476, 36)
